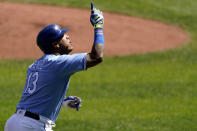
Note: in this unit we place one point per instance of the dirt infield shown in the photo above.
(20, 23)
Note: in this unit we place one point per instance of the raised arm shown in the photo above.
(96, 55)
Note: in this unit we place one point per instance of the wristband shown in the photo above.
(98, 36)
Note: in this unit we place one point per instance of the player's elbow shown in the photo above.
(99, 59)
(92, 60)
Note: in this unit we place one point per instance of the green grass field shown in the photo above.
(149, 92)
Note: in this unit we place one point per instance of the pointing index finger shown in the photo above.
(92, 6)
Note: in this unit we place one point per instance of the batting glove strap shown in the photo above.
(72, 102)
(99, 25)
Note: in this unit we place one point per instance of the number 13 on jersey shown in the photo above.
(31, 82)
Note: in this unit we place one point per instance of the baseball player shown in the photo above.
(48, 77)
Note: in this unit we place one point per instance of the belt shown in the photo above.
(31, 115)
(46, 121)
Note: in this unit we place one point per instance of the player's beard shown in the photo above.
(65, 50)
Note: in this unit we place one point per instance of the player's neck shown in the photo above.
(56, 53)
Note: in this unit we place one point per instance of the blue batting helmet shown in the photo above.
(48, 35)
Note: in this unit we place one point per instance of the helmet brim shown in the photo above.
(64, 30)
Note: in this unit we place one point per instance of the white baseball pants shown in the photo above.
(19, 122)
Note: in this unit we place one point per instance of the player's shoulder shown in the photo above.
(51, 58)
(65, 57)
(46, 61)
